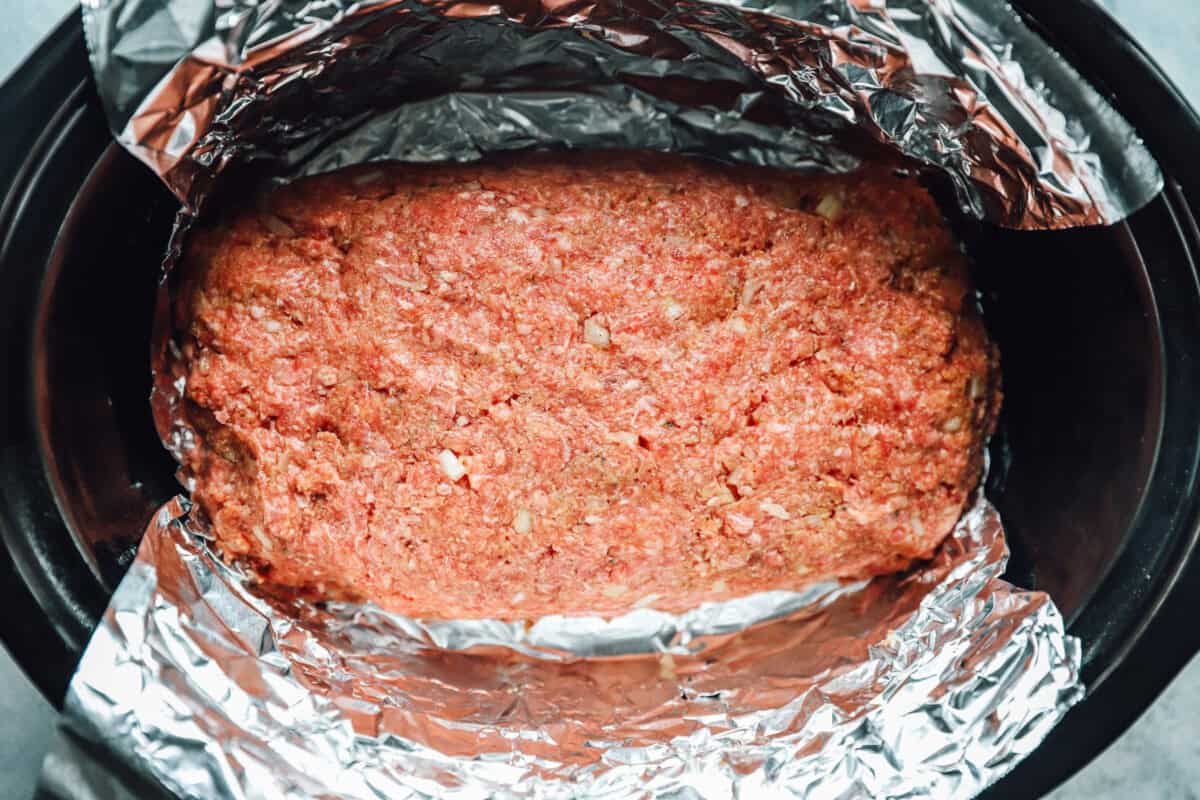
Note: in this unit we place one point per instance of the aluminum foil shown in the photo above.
(961, 87)
(927, 684)
(931, 683)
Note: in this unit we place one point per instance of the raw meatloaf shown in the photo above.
(582, 383)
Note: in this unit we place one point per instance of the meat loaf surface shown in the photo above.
(579, 383)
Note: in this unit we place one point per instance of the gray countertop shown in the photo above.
(1159, 757)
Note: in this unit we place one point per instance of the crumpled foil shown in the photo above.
(931, 683)
(959, 86)
(927, 684)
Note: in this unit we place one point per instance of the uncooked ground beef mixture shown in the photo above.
(579, 383)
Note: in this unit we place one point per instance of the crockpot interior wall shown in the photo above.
(91, 351)
(1081, 357)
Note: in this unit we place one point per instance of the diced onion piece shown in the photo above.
(717, 495)
(673, 308)
(622, 437)
(595, 334)
(666, 667)
(830, 206)
(451, 465)
(262, 538)
(952, 425)
(522, 521)
(775, 510)
(749, 289)
(740, 522)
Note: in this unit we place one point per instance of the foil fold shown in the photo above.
(963, 89)
(931, 683)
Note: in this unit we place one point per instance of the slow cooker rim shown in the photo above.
(43, 89)
(1128, 242)
(1190, 544)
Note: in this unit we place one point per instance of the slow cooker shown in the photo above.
(1096, 469)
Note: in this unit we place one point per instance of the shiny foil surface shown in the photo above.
(932, 683)
(960, 87)
(929, 684)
